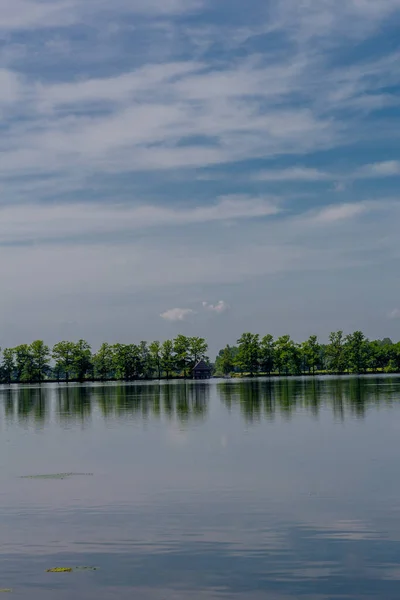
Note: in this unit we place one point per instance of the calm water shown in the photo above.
(223, 489)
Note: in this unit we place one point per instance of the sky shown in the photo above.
(202, 167)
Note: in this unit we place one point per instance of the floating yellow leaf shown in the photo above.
(57, 476)
(5, 590)
(60, 570)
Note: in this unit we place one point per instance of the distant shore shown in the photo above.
(186, 357)
(235, 378)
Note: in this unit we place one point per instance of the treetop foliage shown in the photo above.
(252, 355)
(352, 353)
(74, 361)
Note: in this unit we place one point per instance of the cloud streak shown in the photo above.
(177, 314)
(24, 223)
(32, 14)
(293, 174)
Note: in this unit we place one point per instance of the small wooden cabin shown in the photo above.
(202, 370)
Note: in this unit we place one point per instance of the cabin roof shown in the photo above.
(201, 366)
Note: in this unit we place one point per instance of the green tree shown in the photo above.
(394, 365)
(82, 360)
(155, 355)
(145, 367)
(336, 359)
(287, 356)
(126, 361)
(311, 352)
(120, 362)
(197, 350)
(103, 362)
(22, 362)
(182, 354)
(248, 353)
(225, 364)
(63, 355)
(267, 354)
(8, 365)
(356, 352)
(167, 357)
(380, 354)
(39, 355)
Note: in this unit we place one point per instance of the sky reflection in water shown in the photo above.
(256, 489)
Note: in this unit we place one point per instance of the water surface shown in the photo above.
(274, 489)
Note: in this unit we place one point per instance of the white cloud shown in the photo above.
(394, 314)
(150, 116)
(177, 314)
(40, 14)
(340, 212)
(240, 109)
(390, 168)
(219, 308)
(119, 89)
(293, 174)
(329, 21)
(29, 14)
(149, 112)
(21, 223)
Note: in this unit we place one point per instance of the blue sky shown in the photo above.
(197, 166)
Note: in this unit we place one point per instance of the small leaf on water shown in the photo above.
(70, 569)
(57, 476)
(5, 590)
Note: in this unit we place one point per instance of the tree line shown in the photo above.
(252, 355)
(75, 361)
(353, 353)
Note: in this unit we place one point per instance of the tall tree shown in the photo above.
(197, 350)
(356, 352)
(39, 357)
(226, 361)
(380, 354)
(311, 352)
(103, 362)
(145, 367)
(287, 356)
(126, 361)
(168, 357)
(22, 362)
(267, 354)
(63, 355)
(335, 353)
(182, 354)
(82, 360)
(155, 355)
(8, 365)
(120, 362)
(248, 353)
(395, 358)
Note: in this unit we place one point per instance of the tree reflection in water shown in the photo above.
(256, 399)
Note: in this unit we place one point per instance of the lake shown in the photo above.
(276, 489)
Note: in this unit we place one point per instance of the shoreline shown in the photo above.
(272, 377)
